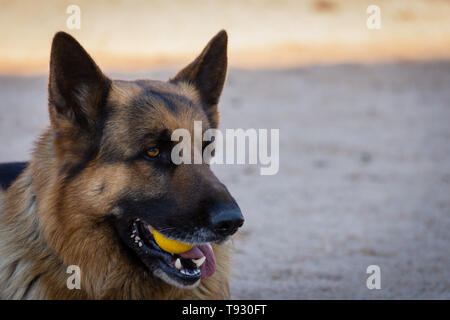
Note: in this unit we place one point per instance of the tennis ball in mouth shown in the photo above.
(169, 245)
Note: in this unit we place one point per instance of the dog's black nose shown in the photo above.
(226, 222)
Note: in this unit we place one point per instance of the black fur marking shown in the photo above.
(72, 69)
(31, 285)
(156, 211)
(208, 71)
(93, 150)
(170, 100)
(9, 172)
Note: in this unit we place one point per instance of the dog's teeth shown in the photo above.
(178, 264)
(132, 236)
(137, 220)
(137, 238)
(140, 244)
(199, 262)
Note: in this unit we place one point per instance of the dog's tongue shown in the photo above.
(204, 250)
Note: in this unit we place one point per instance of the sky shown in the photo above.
(137, 35)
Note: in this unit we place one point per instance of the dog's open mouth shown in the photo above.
(183, 269)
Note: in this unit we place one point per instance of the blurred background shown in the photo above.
(139, 34)
(363, 116)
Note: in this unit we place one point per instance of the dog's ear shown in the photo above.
(207, 73)
(77, 87)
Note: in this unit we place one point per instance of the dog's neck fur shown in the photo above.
(32, 263)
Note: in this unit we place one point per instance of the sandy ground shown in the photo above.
(364, 177)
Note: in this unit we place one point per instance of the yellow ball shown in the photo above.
(169, 245)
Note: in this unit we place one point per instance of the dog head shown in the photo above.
(117, 183)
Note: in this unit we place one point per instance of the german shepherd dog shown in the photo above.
(101, 176)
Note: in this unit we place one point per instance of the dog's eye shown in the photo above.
(152, 152)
